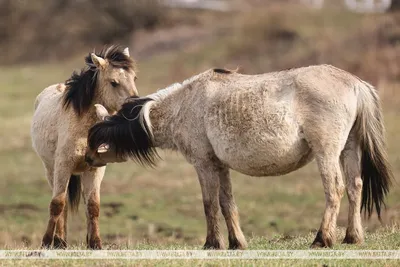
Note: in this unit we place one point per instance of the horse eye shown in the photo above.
(114, 84)
(135, 78)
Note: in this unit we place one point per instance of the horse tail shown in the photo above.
(74, 192)
(375, 168)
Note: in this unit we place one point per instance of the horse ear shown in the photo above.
(126, 52)
(98, 61)
(103, 148)
(101, 112)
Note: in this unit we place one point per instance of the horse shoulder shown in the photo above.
(72, 140)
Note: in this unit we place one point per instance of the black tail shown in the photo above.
(376, 183)
(375, 168)
(74, 192)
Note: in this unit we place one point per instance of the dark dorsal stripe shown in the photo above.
(125, 134)
(81, 85)
(223, 71)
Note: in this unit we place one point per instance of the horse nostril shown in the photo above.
(88, 159)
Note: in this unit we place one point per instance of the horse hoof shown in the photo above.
(235, 244)
(318, 245)
(321, 242)
(46, 242)
(351, 240)
(214, 244)
(212, 247)
(95, 243)
(59, 243)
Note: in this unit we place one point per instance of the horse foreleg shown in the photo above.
(208, 174)
(350, 161)
(57, 204)
(334, 188)
(230, 211)
(91, 181)
(60, 237)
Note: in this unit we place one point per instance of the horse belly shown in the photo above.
(256, 132)
(269, 148)
(271, 158)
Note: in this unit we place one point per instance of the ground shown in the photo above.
(161, 208)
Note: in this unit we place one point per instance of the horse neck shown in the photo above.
(165, 111)
(89, 118)
(162, 119)
(84, 121)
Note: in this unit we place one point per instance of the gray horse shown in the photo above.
(260, 125)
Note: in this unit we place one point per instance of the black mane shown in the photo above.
(126, 133)
(81, 86)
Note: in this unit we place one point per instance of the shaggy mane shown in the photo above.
(81, 86)
(127, 132)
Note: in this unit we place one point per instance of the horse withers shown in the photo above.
(261, 125)
(63, 115)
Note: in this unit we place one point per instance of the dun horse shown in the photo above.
(63, 115)
(260, 125)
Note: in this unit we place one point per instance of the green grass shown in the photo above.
(161, 208)
(384, 238)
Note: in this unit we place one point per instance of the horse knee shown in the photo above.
(354, 189)
(340, 191)
(358, 184)
(93, 209)
(57, 205)
(333, 199)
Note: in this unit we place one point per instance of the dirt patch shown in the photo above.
(133, 217)
(112, 208)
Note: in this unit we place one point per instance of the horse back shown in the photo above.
(50, 93)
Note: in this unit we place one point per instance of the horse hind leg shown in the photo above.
(329, 167)
(350, 161)
(230, 212)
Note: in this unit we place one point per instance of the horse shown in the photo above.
(63, 114)
(260, 125)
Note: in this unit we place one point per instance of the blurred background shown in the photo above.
(43, 41)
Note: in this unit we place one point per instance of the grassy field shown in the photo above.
(161, 208)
